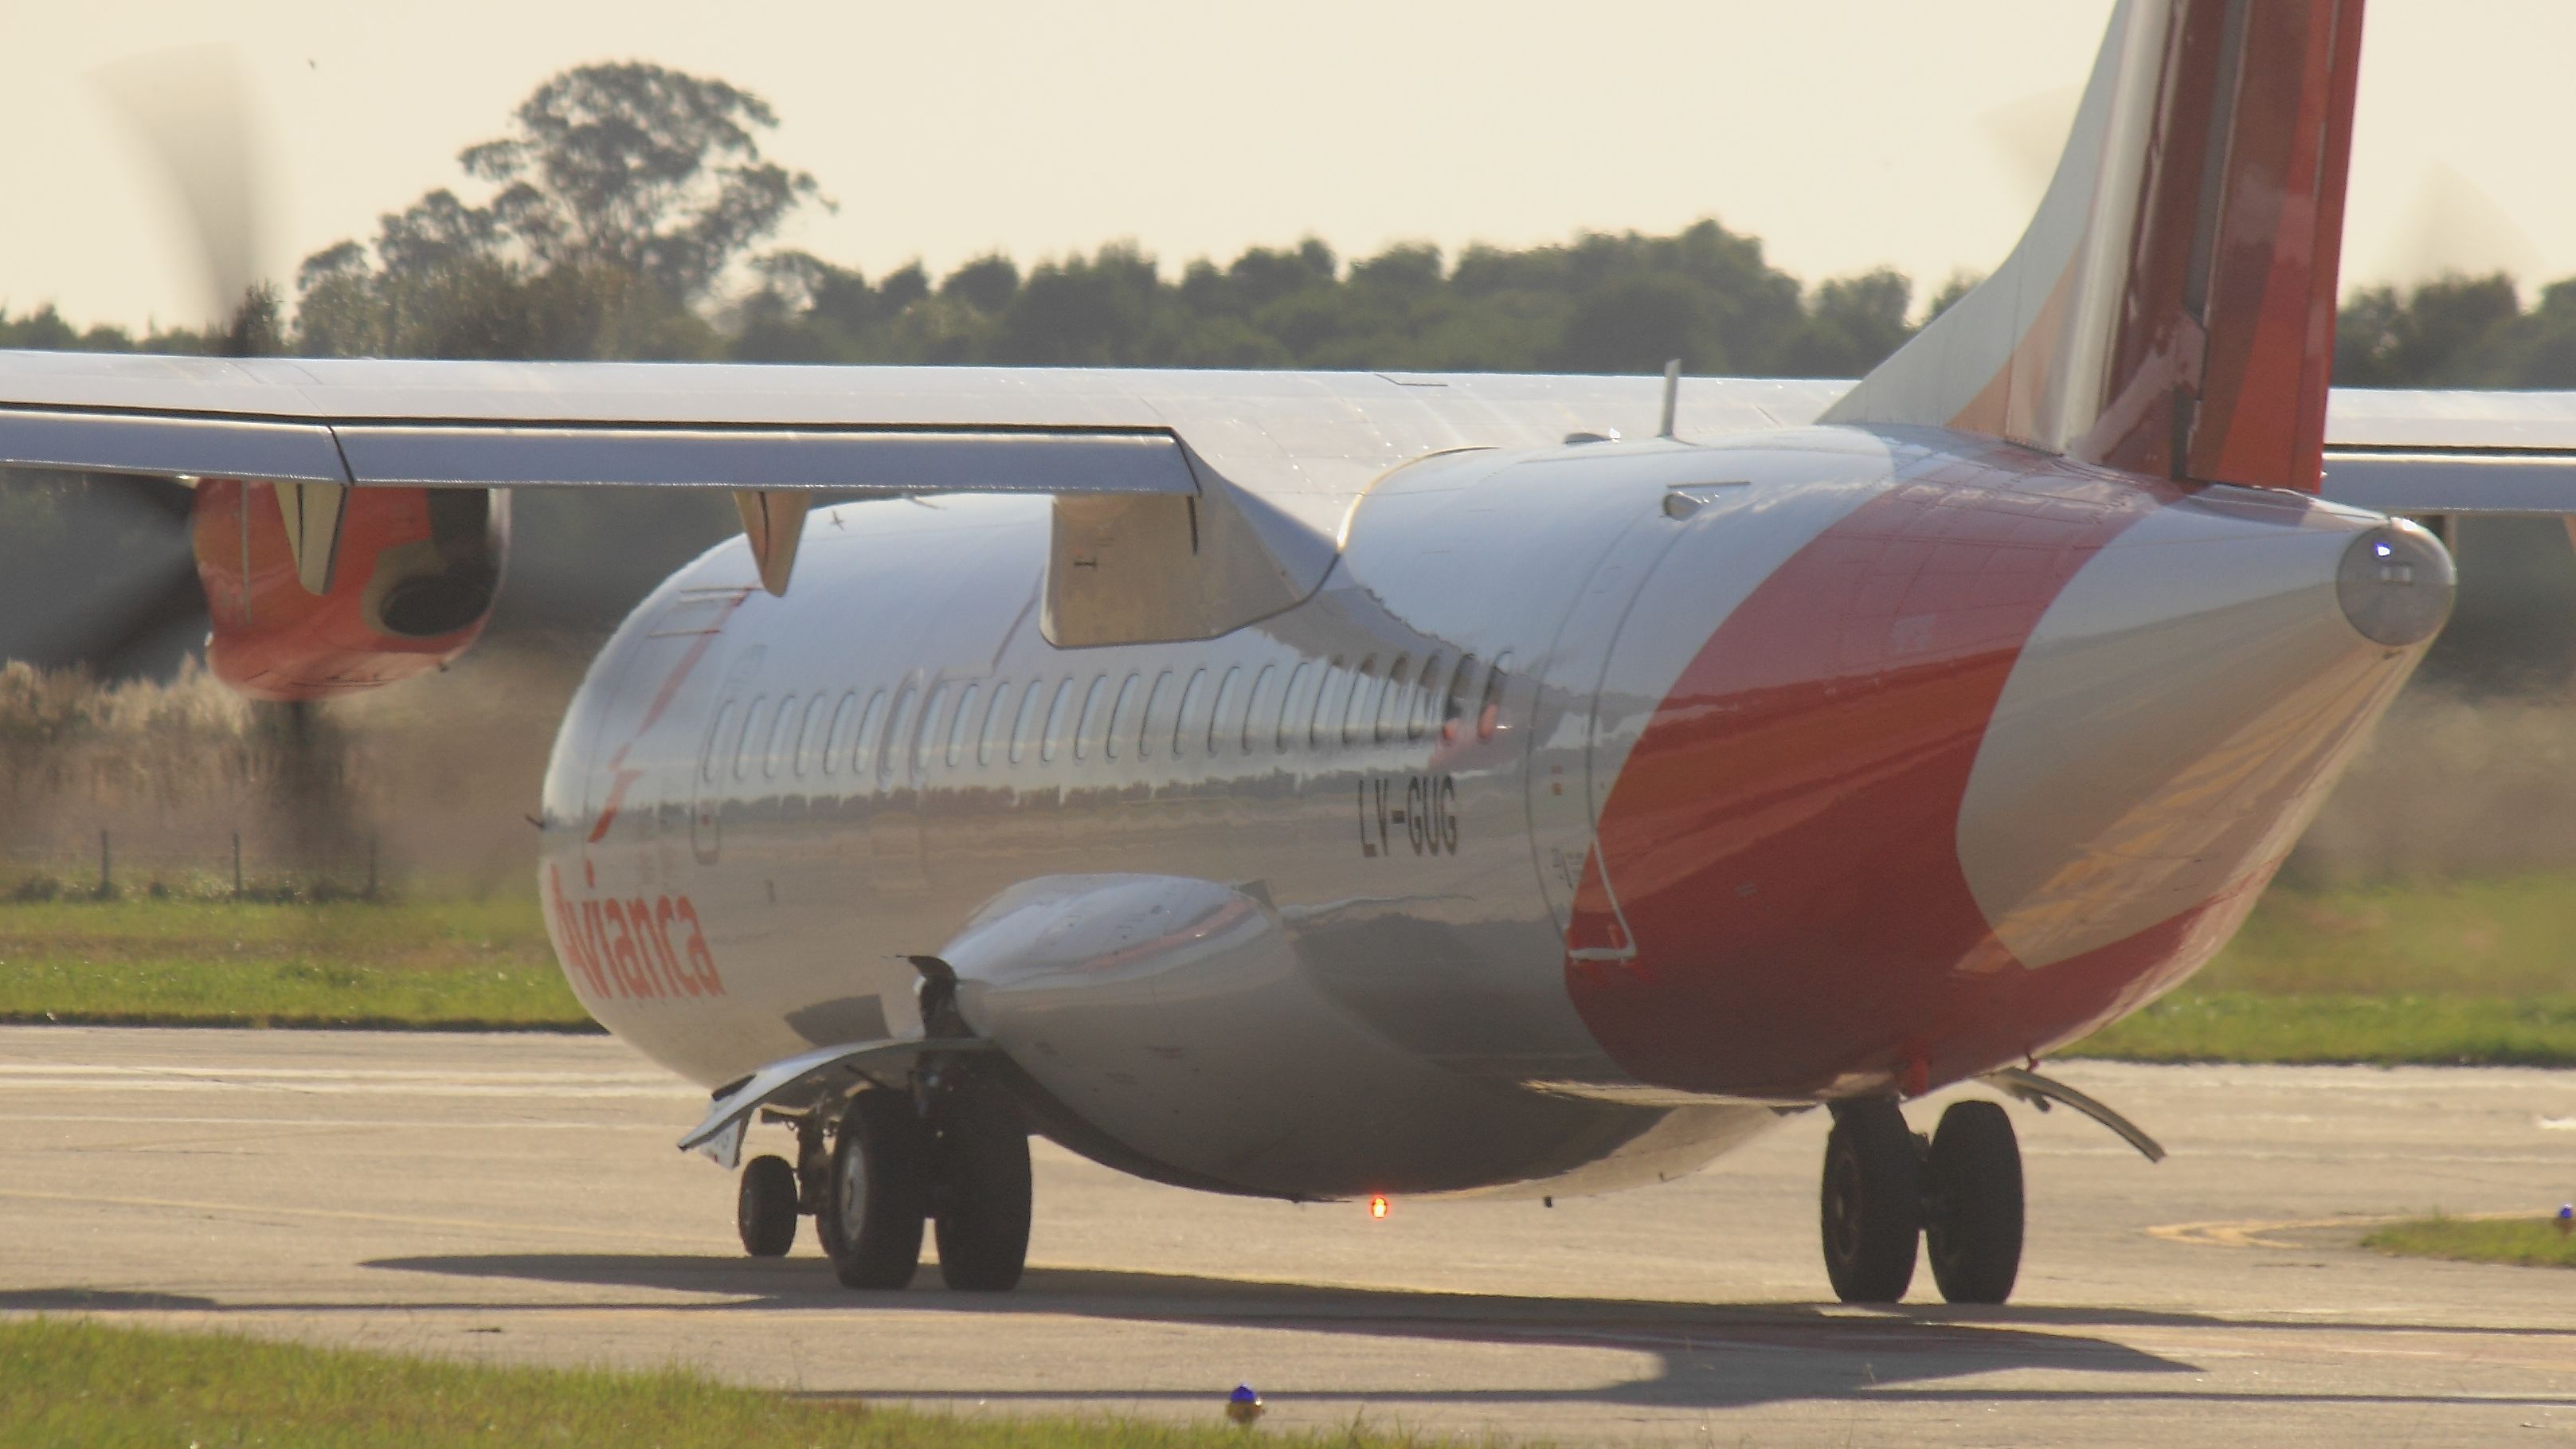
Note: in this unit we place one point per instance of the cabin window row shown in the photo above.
(1314, 705)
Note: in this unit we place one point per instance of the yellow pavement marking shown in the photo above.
(2254, 1234)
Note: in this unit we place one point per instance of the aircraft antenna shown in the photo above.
(1672, 396)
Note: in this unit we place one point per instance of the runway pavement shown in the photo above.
(518, 1197)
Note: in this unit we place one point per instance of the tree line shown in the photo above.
(626, 212)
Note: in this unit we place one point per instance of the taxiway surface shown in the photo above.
(518, 1197)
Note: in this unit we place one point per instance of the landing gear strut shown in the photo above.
(1886, 1190)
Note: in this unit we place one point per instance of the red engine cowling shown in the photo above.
(417, 572)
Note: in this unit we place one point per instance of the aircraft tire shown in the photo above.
(879, 1192)
(1973, 1205)
(765, 1209)
(1872, 1202)
(983, 1207)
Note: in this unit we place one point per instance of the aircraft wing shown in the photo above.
(1305, 443)
(2452, 452)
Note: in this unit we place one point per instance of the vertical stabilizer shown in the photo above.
(2171, 309)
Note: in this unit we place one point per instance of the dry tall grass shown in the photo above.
(436, 776)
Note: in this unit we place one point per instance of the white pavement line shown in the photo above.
(255, 1210)
(336, 1074)
(666, 1091)
(488, 1124)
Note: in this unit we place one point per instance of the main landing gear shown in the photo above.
(1958, 1192)
(888, 1167)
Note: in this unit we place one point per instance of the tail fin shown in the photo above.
(2171, 309)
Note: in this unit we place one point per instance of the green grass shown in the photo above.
(2477, 972)
(2238, 1026)
(2527, 1242)
(74, 1383)
(344, 963)
(2464, 972)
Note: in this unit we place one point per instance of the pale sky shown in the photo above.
(1846, 133)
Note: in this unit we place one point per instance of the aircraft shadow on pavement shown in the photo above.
(1710, 1356)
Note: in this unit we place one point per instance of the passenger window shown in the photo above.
(1095, 717)
(925, 741)
(996, 721)
(890, 751)
(1424, 700)
(1317, 710)
(1226, 699)
(1453, 704)
(1060, 720)
(782, 738)
(845, 717)
(1192, 698)
(809, 736)
(715, 740)
(1155, 703)
(755, 732)
(863, 751)
(1489, 719)
(1279, 737)
(1393, 698)
(1123, 720)
(957, 729)
(1023, 734)
(1363, 698)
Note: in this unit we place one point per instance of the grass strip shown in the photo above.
(68, 1382)
(2525, 1242)
(2408, 1030)
(415, 964)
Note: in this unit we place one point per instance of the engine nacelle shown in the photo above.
(414, 583)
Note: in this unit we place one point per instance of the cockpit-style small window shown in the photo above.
(755, 733)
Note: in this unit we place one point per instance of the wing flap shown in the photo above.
(899, 460)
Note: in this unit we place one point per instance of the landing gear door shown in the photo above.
(1565, 793)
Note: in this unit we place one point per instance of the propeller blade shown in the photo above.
(190, 110)
(100, 572)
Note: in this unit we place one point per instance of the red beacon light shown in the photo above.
(1377, 1207)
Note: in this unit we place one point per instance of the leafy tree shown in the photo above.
(640, 169)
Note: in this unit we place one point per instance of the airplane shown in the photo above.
(1337, 786)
